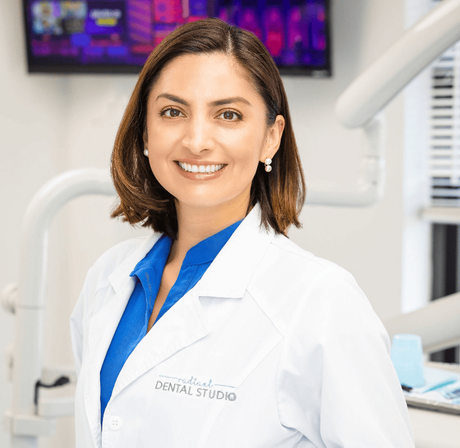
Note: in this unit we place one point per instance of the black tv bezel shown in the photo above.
(104, 69)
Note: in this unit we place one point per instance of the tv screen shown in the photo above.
(117, 36)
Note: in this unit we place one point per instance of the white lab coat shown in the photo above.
(273, 347)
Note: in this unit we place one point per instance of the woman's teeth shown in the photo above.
(200, 168)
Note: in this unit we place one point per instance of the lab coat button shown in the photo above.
(115, 422)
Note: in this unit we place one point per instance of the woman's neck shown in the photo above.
(195, 224)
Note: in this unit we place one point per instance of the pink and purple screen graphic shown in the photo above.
(124, 32)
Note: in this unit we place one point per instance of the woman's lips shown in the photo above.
(200, 168)
(200, 171)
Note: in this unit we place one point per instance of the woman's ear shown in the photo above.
(273, 139)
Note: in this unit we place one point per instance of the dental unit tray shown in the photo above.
(439, 392)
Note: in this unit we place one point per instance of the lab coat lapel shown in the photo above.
(183, 325)
(101, 328)
(231, 271)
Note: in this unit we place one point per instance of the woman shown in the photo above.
(216, 330)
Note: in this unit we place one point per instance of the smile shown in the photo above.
(200, 168)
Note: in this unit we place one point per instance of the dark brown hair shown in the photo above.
(280, 193)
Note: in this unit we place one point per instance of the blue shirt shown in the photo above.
(148, 272)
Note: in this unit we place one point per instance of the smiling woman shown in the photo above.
(208, 67)
(216, 331)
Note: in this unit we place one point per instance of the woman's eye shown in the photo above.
(171, 113)
(230, 115)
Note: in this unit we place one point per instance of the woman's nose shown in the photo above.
(198, 135)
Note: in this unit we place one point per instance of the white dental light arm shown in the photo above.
(22, 421)
(360, 104)
(386, 77)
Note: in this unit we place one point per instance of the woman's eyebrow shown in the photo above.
(235, 99)
(176, 99)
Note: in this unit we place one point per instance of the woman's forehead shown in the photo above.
(205, 76)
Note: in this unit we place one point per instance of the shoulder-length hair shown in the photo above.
(280, 193)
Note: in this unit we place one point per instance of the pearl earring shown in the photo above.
(146, 152)
(268, 162)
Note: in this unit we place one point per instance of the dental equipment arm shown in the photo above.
(22, 421)
(438, 323)
(386, 77)
(376, 87)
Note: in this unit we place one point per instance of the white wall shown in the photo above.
(54, 123)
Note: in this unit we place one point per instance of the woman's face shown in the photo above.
(206, 131)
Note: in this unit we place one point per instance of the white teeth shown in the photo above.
(200, 168)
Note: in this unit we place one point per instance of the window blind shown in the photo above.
(444, 134)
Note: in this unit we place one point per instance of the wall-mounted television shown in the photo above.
(117, 36)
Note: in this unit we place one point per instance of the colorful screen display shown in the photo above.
(117, 36)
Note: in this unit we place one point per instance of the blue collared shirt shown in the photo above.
(148, 272)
